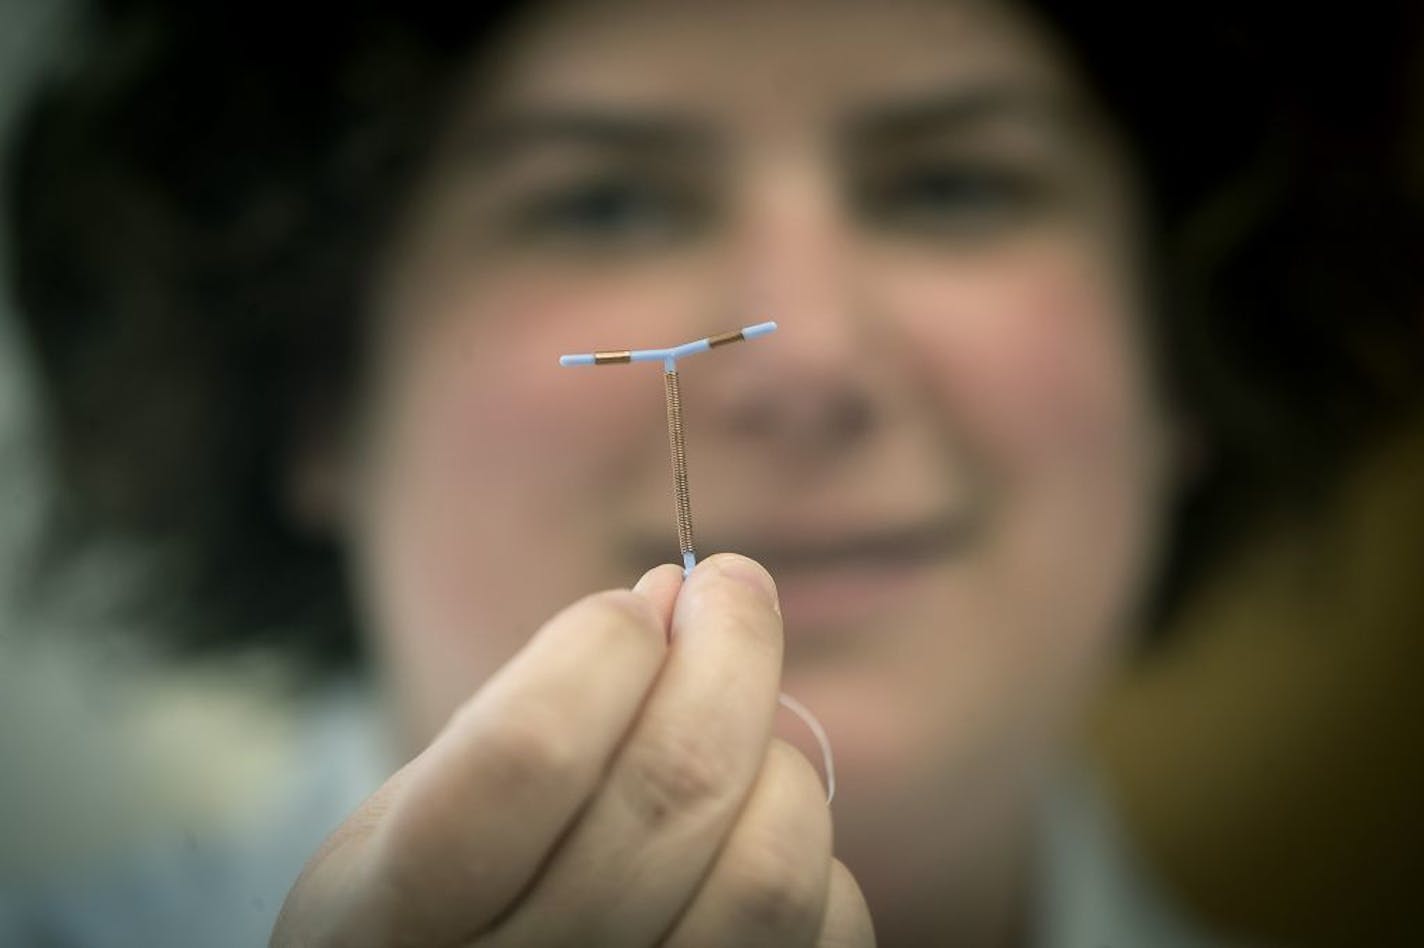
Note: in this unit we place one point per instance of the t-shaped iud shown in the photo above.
(669, 357)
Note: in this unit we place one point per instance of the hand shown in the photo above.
(615, 784)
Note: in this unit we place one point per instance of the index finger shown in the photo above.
(475, 815)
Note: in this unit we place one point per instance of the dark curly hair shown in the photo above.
(198, 197)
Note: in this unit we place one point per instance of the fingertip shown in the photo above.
(847, 922)
(660, 586)
(660, 575)
(742, 569)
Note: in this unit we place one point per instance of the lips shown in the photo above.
(821, 547)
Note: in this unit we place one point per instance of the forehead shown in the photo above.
(766, 62)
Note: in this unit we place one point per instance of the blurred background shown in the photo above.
(1268, 754)
(102, 749)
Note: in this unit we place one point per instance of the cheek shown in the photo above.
(1035, 358)
(486, 351)
(1035, 363)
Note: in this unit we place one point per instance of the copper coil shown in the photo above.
(723, 338)
(679, 462)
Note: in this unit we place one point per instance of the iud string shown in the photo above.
(682, 498)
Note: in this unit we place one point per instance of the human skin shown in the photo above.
(951, 457)
(668, 822)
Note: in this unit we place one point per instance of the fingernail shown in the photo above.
(750, 572)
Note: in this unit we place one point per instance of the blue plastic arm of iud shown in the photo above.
(672, 353)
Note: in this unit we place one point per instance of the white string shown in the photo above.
(809, 719)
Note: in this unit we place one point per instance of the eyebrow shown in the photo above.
(952, 110)
(592, 127)
(960, 109)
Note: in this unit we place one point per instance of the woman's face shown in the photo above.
(949, 456)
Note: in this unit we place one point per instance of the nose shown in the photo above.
(810, 391)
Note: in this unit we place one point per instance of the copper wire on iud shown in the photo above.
(677, 445)
(677, 441)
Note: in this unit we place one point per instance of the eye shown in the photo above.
(951, 197)
(611, 210)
